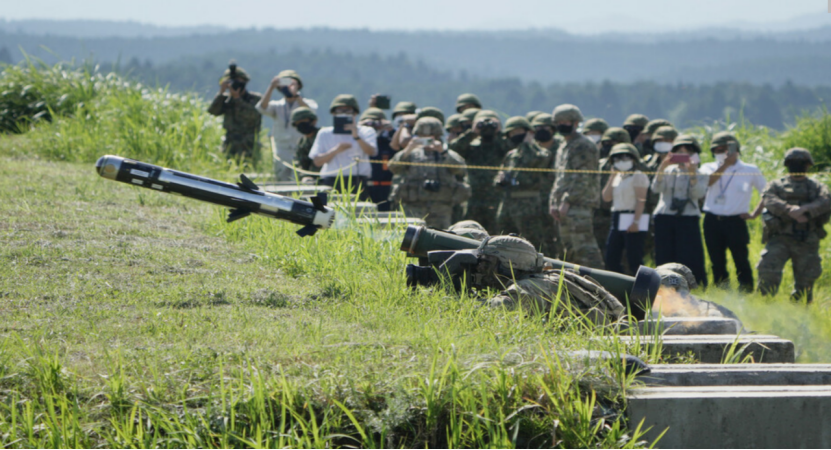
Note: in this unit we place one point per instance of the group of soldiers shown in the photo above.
(538, 175)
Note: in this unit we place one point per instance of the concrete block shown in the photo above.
(738, 375)
(672, 326)
(734, 417)
(711, 348)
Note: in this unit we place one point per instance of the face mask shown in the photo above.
(517, 139)
(594, 137)
(564, 129)
(624, 165)
(306, 128)
(662, 147)
(488, 133)
(634, 132)
(543, 135)
(466, 126)
(720, 157)
(695, 159)
(797, 167)
(605, 149)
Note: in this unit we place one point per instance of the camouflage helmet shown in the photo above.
(654, 124)
(404, 108)
(617, 135)
(664, 132)
(638, 120)
(344, 100)
(681, 270)
(595, 125)
(469, 228)
(453, 121)
(239, 73)
(543, 120)
(293, 75)
(431, 111)
(687, 140)
(486, 114)
(672, 279)
(517, 122)
(470, 114)
(513, 253)
(625, 148)
(798, 154)
(428, 126)
(468, 99)
(530, 116)
(724, 138)
(567, 112)
(373, 113)
(302, 113)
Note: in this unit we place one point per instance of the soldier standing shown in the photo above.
(546, 137)
(467, 101)
(594, 129)
(304, 120)
(796, 209)
(240, 118)
(634, 125)
(521, 208)
(576, 194)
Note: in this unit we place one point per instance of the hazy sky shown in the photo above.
(578, 16)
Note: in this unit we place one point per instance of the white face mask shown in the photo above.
(624, 166)
(662, 147)
(720, 157)
(594, 137)
(695, 159)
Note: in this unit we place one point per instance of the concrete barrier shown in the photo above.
(738, 375)
(711, 348)
(734, 417)
(672, 326)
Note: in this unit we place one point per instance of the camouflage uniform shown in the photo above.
(603, 215)
(788, 239)
(521, 210)
(580, 190)
(552, 246)
(304, 146)
(240, 119)
(649, 130)
(417, 196)
(475, 150)
(634, 125)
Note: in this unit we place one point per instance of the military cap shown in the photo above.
(469, 228)
(239, 74)
(638, 120)
(374, 114)
(513, 252)
(616, 134)
(428, 126)
(288, 73)
(404, 108)
(470, 113)
(567, 112)
(625, 148)
(530, 116)
(431, 111)
(517, 122)
(453, 121)
(302, 113)
(486, 114)
(664, 132)
(654, 124)
(543, 120)
(798, 154)
(595, 125)
(468, 99)
(724, 138)
(687, 140)
(344, 100)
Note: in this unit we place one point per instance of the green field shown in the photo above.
(134, 319)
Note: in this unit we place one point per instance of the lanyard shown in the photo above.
(724, 188)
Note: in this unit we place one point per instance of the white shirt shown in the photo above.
(730, 195)
(327, 140)
(623, 190)
(286, 136)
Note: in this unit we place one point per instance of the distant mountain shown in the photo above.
(101, 29)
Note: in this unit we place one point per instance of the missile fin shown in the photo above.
(308, 230)
(247, 184)
(237, 214)
(319, 201)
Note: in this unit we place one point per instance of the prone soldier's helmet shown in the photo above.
(670, 273)
(617, 135)
(513, 253)
(469, 228)
(517, 122)
(798, 155)
(234, 72)
(543, 120)
(625, 148)
(288, 73)
(665, 132)
(724, 138)
(654, 124)
(530, 116)
(404, 108)
(428, 126)
(373, 114)
(468, 99)
(302, 113)
(598, 125)
(637, 120)
(470, 114)
(431, 111)
(453, 121)
(567, 112)
(687, 140)
(345, 100)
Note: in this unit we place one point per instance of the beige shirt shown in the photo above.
(623, 190)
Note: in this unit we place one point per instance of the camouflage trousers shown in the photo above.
(234, 148)
(577, 234)
(602, 224)
(525, 217)
(804, 256)
(435, 215)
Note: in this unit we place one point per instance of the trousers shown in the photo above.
(678, 240)
(722, 233)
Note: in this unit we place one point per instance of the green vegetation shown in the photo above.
(129, 318)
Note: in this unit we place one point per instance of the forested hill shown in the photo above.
(545, 56)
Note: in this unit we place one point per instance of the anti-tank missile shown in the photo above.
(243, 198)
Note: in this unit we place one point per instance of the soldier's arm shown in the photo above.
(457, 161)
(773, 202)
(822, 204)
(461, 144)
(582, 188)
(217, 107)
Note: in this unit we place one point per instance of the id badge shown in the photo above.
(720, 200)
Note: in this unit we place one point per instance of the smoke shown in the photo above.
(672, 303)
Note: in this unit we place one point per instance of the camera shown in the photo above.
(382, 102)
(678, 205)
(432, 185)
(237, 85)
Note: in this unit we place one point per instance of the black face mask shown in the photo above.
(306, 128)
(488, 133)
(797, 167)
(605, 149)
(517, 139)
(466, 126)
(564, 129)
(543, 135)
(633, 132)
